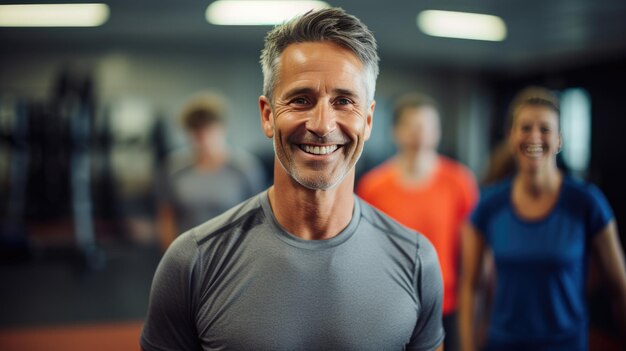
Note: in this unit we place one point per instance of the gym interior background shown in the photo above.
(88, 115)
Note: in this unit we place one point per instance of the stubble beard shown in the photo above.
(317, 183)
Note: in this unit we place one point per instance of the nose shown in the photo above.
(535, 133)
(322, 120)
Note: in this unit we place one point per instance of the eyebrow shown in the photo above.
(347, 92)
(298, 91)
(310, 91)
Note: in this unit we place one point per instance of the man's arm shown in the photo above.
(428, 333)
(170, 321)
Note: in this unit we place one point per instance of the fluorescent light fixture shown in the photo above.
(461, 25)
(250, 12)
(53, 15)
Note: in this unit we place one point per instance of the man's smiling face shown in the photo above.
(320, 115)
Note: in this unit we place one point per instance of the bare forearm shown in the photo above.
(466, 320)
(167, 226)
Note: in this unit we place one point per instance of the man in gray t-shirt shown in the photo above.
(305, 265)
(242, 282)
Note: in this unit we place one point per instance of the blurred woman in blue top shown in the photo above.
(541, 226)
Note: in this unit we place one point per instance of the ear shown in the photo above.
(267, 117)
(369, 120)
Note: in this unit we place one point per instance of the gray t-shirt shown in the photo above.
(241, 282)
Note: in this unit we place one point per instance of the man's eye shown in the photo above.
(343, 101)
(299, 101)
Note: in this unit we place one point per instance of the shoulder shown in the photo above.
(408, 241)
(495, 196)
(178, 162)
(580, 193)
(238, 219)
(229, 221)
(580, 189)
(587, 201)
(192, 255)
(243, 160)
(382, 221)
(377, 176)
(382, 171)
(455, 170)
(497, 190)
(401, 235)
(451, 164)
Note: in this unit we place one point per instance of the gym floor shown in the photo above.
(50, 300)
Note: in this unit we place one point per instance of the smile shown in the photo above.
(534, 149)
(318, 150)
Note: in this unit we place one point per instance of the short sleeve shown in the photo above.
(170, 322)
(599, 212)
(478, 218)
(493, 198)
(166, 176)
(428, 333)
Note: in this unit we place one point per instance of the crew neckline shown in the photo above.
(417, 187)
(293, 240)
(541, 219)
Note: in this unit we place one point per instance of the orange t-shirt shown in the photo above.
(436, 208)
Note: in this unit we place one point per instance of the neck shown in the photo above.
(311, 214)
(540, 182)
(210, 160)
(417, 165)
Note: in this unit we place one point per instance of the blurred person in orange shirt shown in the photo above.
(425, 191)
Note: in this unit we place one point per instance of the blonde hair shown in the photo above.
(533, 96)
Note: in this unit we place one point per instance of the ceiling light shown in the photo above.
(241, 12)
(53, 15)
(461, 25)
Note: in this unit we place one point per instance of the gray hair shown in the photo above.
(334, 25)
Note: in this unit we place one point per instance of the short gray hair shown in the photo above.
(333, 25)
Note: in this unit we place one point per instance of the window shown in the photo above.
(576, 129)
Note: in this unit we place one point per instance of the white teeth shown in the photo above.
(534, 149)
(319, 150)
